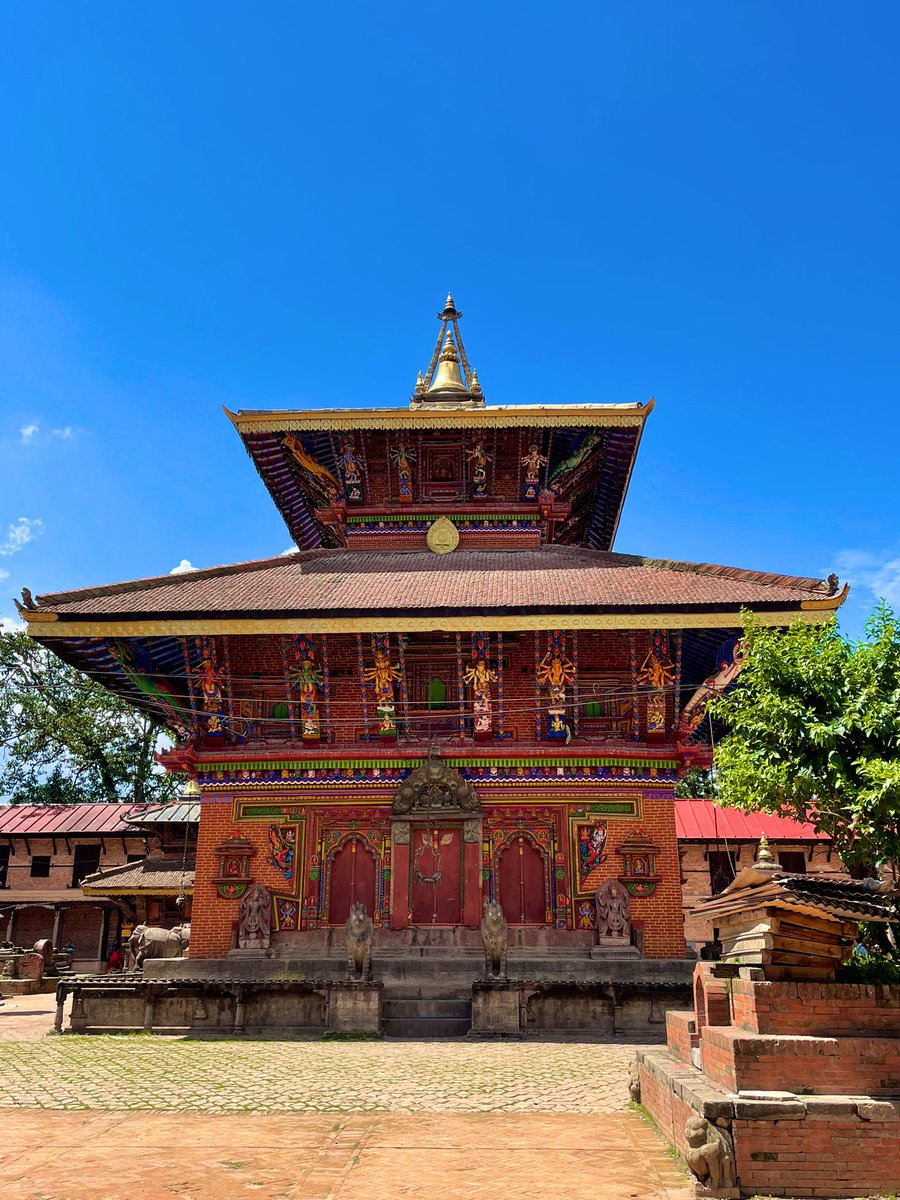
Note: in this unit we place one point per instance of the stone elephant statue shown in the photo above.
(150, 941)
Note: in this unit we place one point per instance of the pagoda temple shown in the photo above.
(452, 691)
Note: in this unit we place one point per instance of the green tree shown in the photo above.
(65, 739)
(814, 733)
(696, 784)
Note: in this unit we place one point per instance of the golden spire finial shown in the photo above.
(475, 386)
(447, 377)
(765, 859)
(449, 354)
(420, 384)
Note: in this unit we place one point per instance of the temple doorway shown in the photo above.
(352, 880)
(520, 883)
(436, 875)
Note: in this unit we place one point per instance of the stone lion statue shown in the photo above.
(634, 1081)
(359, 930)
(495, 936)
(709, 1153)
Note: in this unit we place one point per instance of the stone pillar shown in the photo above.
(104, 934)
(57, 927)
(400, 833)
(11, 929)
(472, 833)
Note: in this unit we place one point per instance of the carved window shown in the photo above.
(86, 862)
(792, 860)
(437, 694)
(40, 866)
(280, 711)
(721, 870)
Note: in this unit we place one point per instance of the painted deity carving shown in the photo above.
(255, 922)
(383, 675)
(403, 456)
(556, 673)
(591, 844)
(282, 840)
(307, 678)
(710, 1153)
(729, 661)
(137, 665)
(209, 680)
(613, 912)
(532, 462)
(351, 469)
(479, 458)
(319, 481)
(434, 785)
(495, 938)
(657, 674)
(480, 677)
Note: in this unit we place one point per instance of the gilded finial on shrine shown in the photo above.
(420, 384)
(475, 386)
(765, 859)
(447, 377)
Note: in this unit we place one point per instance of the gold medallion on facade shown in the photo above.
(443, 536)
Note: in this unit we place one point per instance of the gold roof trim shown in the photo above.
(498, 416)
(810, 612)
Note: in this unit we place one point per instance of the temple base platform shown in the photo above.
(424, 989)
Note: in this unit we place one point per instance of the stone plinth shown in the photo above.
(354, 1008)
(495, 1010)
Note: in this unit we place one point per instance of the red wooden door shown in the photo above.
(352, 881)
(520, 883)
(435, 876)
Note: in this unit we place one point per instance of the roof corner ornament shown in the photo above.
(765, 859)
(449, 381)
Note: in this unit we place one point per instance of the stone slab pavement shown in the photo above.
(112, 1118)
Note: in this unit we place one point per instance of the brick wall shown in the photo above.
(828, 1156)
(823, 1066)
(816, 1008)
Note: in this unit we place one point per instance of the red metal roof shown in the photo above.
(332, 581)
(705, 821)
(45, 820)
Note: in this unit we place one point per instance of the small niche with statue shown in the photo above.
(639, 874)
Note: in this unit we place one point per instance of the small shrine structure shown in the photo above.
(782, 1081)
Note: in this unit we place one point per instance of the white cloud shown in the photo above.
(4, 574)
(11, 625)
(20, 533)
(29, 432)
(67, 431)
(879, 573)
(183, 567)
(290, 550)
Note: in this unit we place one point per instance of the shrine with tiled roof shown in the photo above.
(454, 597)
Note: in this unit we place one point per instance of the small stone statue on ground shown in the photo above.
(495, 936)
(152, 941)
(255, 920)
(710, 1153)
(634, 1081)
(359, 931)
(613, 913)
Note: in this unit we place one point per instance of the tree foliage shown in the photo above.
(814, 733)
(695, 784)
(65, 739)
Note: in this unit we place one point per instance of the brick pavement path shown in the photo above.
(111, 1118)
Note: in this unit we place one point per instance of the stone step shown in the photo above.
(426, 1027)
(416, 1008)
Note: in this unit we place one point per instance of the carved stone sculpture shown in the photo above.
(634, 1081)
(710, 1153)
(255, 918)
(435, 785)
(359, 930)
(151, 941)
(495, 936)
(613, 912)
(44, 947)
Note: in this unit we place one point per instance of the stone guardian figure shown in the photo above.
(710, 1153)
(613, 913)
(255, 921)
(495, 936)
(359, 933)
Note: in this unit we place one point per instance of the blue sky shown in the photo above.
(264, 206)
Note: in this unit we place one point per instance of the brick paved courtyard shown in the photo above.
(174, 1119)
